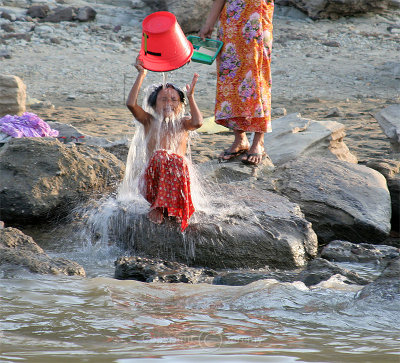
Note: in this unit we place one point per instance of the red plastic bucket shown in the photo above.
(164, 46)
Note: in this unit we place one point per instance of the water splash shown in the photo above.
(164, 79)
(109, 220)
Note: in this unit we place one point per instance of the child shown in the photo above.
(166, 178)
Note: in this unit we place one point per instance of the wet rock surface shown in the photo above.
(18, 249)
(386, 287)
(344, 251)
(260, 229)
(316, 272)
(157, 270)
(319, 270)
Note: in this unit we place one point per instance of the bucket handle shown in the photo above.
(145, 47)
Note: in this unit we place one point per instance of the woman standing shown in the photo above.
(243, 100)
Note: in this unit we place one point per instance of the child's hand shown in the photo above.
(139, 66)
(190, 89)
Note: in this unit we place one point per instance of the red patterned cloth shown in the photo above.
(167, 185)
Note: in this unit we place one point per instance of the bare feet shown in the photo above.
(256, 153)
(239, 146)
(156, 215)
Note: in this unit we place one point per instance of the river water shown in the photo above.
(46, 318)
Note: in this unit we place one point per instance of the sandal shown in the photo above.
(232, 155)
(248, 162)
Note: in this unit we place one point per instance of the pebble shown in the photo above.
(335, 112)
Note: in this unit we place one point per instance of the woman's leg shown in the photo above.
(240, 143)
(256, 152)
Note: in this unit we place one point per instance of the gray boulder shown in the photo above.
(190, 14)
(389, 121)
(294, 136)
(41, 178)
(12, 95)
(344, 251)
(60, 14)
(390, 169)
(256, 229)
(38, 11)
(341, 200)
(86, 13)
(386, 287)
(18, 249)
(333, 9)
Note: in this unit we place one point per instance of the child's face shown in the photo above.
(168, 102)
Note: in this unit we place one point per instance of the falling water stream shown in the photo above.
(100, 319)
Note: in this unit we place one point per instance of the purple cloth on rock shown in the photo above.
(27, 125)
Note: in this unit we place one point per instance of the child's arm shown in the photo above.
(197, 118)
(141, 115)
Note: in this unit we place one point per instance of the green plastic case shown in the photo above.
(205, 51)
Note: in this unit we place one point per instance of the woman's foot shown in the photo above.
(156, 215)
(256, 153)
(239, 146)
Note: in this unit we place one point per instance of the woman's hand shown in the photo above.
(190, 88)
(205, 31)
(139, 66)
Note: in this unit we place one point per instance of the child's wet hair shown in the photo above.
(153, 95)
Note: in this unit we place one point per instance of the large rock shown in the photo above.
(344, 251)
(318, 9)
(386, 287)
(12, 95)
(253, 229)
(341, 200)
(41, 178)
(389, 121)
(294, 136)
(391, 171)
(18, 249)
(190, 14)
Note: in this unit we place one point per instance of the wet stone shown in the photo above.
(158, 270)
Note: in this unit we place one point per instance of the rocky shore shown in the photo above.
(336, 84)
